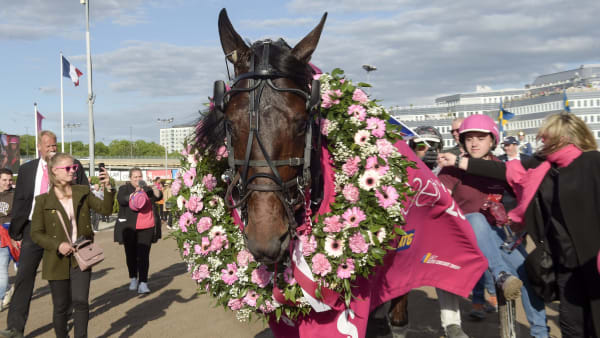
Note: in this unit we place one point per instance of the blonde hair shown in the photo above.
(45, 133)
(562, 129)
(53, 162)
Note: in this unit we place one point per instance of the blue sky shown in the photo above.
(157, 59)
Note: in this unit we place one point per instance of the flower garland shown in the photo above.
(345, 243)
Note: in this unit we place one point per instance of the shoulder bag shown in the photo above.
(86, 252)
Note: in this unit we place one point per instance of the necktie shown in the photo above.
(44, 185)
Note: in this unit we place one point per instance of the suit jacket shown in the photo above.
(24, 196)
(47, 230)
(524, 157)
(128, 218)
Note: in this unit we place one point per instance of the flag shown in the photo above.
(439, 250)
(405, 131)
(71, 71)
(39, 118)
(566, 102)
(503, 116)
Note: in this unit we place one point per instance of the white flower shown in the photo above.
(180, 200)
(362, 137)
(192, 159)
(369, 180)
(334, 247)
(355, 121)
(375, 110)
(216, 231)
(380, 234)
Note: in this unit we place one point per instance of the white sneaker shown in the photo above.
(8, 296)
(143, 288)
(133, 285)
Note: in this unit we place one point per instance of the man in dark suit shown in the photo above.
(32, 180)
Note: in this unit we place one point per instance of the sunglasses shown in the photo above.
(68, 168)
(452, 131)
(421, 146)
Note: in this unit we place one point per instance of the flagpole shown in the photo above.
(89, 81)
(62, 114)
(35, 128)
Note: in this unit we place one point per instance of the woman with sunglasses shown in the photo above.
(478, 137)
(68, 284)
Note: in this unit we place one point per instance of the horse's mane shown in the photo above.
(210, 129)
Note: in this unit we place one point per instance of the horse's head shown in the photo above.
(267, 117)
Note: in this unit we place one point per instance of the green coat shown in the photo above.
(47, 230)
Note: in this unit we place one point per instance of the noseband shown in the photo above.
(258, 77)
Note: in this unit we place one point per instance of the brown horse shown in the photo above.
(268, 119)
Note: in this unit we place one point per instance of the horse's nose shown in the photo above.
(270, 251)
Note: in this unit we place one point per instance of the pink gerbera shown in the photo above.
(200, 273)
(334, 247)
(376, 126)
(357, 111)
(194, 204)
(358, 244)
(320, 265)
(204, 247)
(346, 269)
(229, 275)
(186, 220)
(204, 224)
(384, 147)
(369, 179)
(218, 243)
(362, 137)
(250, 298)
(387, 196)
(332, 224)
(353, 217)
(209, 181)
(188, 177)
(186, 249)
(261, 276)
(373, 163)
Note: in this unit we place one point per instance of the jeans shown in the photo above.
(486, 282)
(489, 240)
(4, 260)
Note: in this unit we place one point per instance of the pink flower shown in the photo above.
(244, 257)
(369, 179)
(346, 269)
(186, 249)
(288, 276)
(175, 186)
(357, 111)
(334, 247)
(235, 304)
(387, 196)
(188, 177)
(250, 298)
(320, 265)
(204, 224)
(384, 147)
(377, 126)
(329, 98)
(204, 247)
(222, 153)
(317, 76)
(351, 166)
(209, 181)
(360, 96)
(353, 217)
(362, 137)
(195, 204)
(324, 126)
(267, 307)
(200, 273)
(218, 243)
(261, 276)
(187, 150)
(309, 245)
(351, 193)
(229, 275)
(358, 244)
(373, 163)
(333, 224)
(186, 220)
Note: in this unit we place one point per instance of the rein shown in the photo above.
(258, 78)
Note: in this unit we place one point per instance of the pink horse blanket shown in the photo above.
(439, 250)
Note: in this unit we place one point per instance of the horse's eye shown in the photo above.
(301, 127)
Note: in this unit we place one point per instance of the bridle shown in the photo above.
(258, 77)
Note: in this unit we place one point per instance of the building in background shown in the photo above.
(173, 138)
(530, 105)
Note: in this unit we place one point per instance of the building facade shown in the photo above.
(531, 105)
(174, 137)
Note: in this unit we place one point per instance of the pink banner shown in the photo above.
(163, 174)
(439, 250)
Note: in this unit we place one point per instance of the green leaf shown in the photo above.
(363, 84)
(336, 72)
(278, 313)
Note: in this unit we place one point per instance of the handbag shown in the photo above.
(539, 264)
(494, 211)
(86, 252)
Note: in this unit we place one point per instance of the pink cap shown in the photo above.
(138, 200)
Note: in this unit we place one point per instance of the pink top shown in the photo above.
(140, 202)
(68, 206)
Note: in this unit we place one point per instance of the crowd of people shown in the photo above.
(550, 193)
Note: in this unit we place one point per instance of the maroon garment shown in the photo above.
(469, 191)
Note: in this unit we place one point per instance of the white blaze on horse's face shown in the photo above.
(272, 131)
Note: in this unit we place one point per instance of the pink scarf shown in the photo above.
(525, 183)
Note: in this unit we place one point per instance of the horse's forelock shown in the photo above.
(210, 131)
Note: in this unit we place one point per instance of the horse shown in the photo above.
(268, 118)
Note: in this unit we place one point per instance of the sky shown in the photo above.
(158, 59)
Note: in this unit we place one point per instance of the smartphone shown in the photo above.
(101, 166)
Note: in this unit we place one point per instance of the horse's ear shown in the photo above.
(232, 43)
(304, 49)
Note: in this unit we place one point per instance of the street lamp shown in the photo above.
(70, 126)
(369, 69)
(166, 122)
